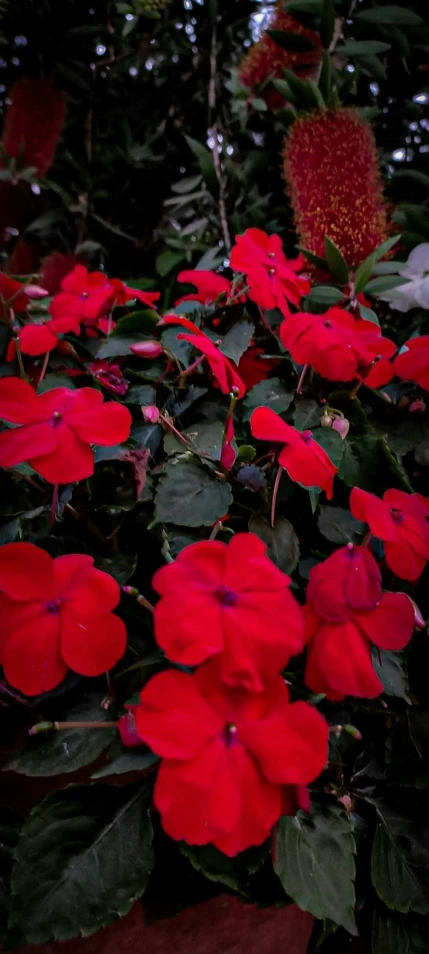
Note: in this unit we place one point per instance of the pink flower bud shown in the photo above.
(34, 291)
(347, 802)
(342, 425)
(147, 349)
(151, 414)
(418, 406)
(126, 727)
(419, 622)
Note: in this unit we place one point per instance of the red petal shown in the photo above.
(375, 512)
(83, 587)
(68, 461)
(261, 805)
(309, 465)
(349, 580)
(26, 572)
(37, 339)
(174, 719)
(290, 744)
(339, 663)
(91, 644)
(266, 425)
(23, 443)
(391, 624)
(32, 661)
(18, 401)
(407, 558)
(107, 424)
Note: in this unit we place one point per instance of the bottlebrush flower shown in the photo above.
(301, 456)
(267, 60)
(272, 278)
(109, 375)
(328, 343)
(56, 614)
(57, 428)
(251, 620)
(227, 755)
(333, 180)
(401, 520)
(33, 122)
(413, 364)
(339, 634)
(209, 286)
(221, 368)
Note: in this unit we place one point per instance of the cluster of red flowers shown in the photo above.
(56, 614)
(401, 520)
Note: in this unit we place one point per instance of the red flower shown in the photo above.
(328, 343)
(380, 371)
(252, 369)
(413, 364)
(348, 581)
(121, 294)
(401, 521)
(227, 755)
(209, 286)
(55, 615)
(250, 616)
(39, 339)
(339, 659)
(85, 295)
(57, 428)
(272, 277)
(333, 179)
(109, 375)
(302, 457)
(222, 369)
(33, 122)
(12, 296)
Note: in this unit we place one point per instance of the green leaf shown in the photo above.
(316, 260)
(303, 93)
(399, 934)
(205, 161)
(315, 864)
(116, 346)
(327, 23)
(281, 540)
(400, 860)
(189, 495)
(126, 761)
(325, 79)
(10, 825)
(51, 381)
(144, 321)
(291, 41)
(232, 872)
(348, 470)
(331, 442)
(205, 437)
(377, 286)
(81, 862)
(385, 247)
(57, 753)
(325, 295)
(339, 526)
(337, 263)
(168, 260)
(412, 174)
(180, 348)
(271, 393)
(400, 16)
(369, 315)
(407, 750)
(307, 414)
(363, 47)
(140, 394)
(374, 67)
(236, 341)
(391, 670)
(304, 6)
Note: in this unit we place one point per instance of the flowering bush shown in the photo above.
(215, 528)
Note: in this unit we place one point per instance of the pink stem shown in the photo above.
(301, 379)
(54, 506)
(274, 498)
(44, 367)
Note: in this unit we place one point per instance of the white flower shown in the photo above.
(415, 294)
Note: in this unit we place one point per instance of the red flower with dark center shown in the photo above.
(222, 369)
(83, 294)
(328, 343)
(57, 428)
(33, 123)
(413, 364)
(401, 521)
(333, 179)
(301, 456)
(39, 339)
(56, 614)
(209, 286)
(251, 620)
(253, 369)
(380, 371)
(109, 375)
(227, 755)
(348, 581)
(339, 659)
(273, 279)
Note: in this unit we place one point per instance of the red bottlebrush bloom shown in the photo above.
(83, 294)
(122, 294)
(33, 122)
(109, 375)
(39, 339)
(57, 429)
(328, 343)
(272, 278)
(401, 520)
(301, 456)
(227, 755)
(251, 620)
(380, 372)
(221, 368)
(56, 614)
(348, 582)
(413, 364)
(12, 296)
(252, 369)
(267, 60)
(333, 180)
(339, 659)
(209, 286)
(54, 268)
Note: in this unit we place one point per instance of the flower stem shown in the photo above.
(44, 367)
(275, 492)
(22, 373)
(229, 414)
(54, 506)
(192, 367)
(59, 726)
(301, 379)
(132, 591)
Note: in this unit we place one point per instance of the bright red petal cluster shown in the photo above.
(273, 279)
(401, 520)
(57, 428)
(251, 620)
(222, 369)
(345, 613)
(301, 456)
(56, 614)
(232, 761)
(209, 286)
(413, 364)
(89, 295)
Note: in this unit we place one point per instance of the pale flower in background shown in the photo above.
(415, 293)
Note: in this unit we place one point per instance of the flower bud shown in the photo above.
(147, 349)
(418, 406)
(126, 727)
(419, 622)
(34, 291)
(342, 426)
(326, 420)
(151, 414)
